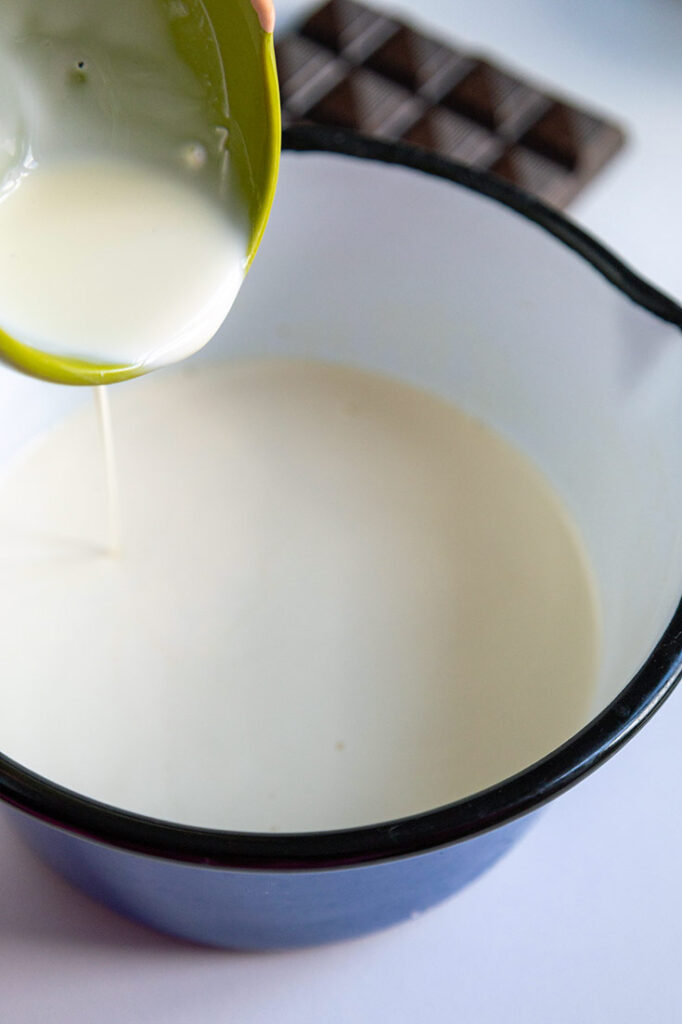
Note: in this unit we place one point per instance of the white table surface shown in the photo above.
(583, 920)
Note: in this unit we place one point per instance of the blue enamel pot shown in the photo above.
(511, 311)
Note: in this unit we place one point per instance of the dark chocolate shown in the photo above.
(368, 103)
(455, 137)
(573, 138)
(356, 67)
(419, 63)
(501, 102)
(534, 173)
(306, 73)
(349, 28)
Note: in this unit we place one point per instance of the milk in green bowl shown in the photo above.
(134, 183)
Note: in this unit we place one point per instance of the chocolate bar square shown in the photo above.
(496, 99)
(419, 63)
(348, 29)
(456, 137)
(307, 72)
(534, 173)
(573, 138)
(366, 102)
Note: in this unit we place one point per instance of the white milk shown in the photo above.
(339, 601)
(122, 237)
(115, 263)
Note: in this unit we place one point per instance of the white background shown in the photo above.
(583, 920)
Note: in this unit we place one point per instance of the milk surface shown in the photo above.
(339, 601)
(123, 235)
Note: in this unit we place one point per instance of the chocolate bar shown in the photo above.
(352, 66)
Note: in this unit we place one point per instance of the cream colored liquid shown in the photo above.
(115, 263)
(123, 237)
(340, 601)
(103, 407)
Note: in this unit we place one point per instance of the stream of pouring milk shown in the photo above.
(340, 600)
(115, 532)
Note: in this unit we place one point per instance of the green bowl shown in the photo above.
(247, 66)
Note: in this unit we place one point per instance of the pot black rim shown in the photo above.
(463, 819)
